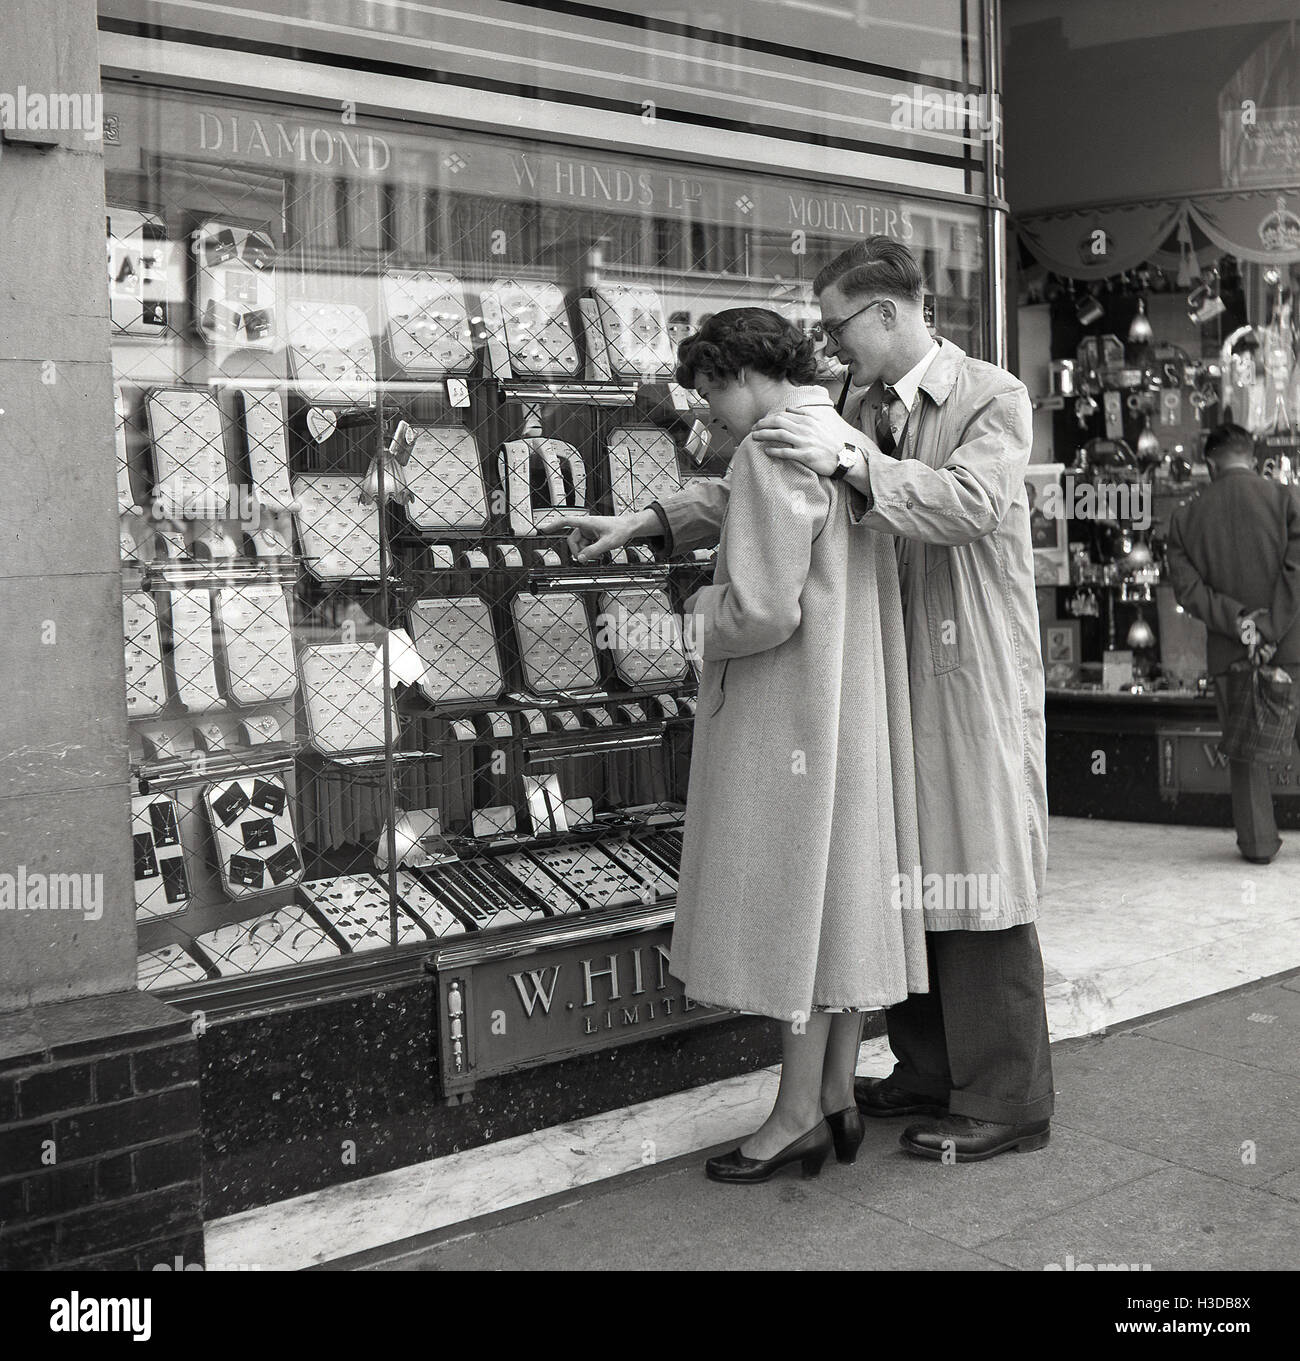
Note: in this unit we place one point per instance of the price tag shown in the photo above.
(322, 423)
(458, 392)
(697, 442)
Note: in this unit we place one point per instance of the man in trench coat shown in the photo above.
(938, 444)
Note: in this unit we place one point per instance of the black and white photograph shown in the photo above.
(691, 663)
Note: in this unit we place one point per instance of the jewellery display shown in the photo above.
(555, 642)
(585, 874)
(261, 425)
(531, 321)
(331, 353)
(191, 650)
(143, 273)
(168, 968)
(268, 456)
(256, 643)
(146, 688)
(663, 881)
(426, 325)
(339, 532)
(479, 894)
(420, 902)
(343, 691)
(356, 907)
(643, 635)
(642, 467)
(445, 479)
(162, 888)
(542, 476)
(125, 496)
(635, 333)
(257, 848)
(455, 640)
(276, 941)
(235, 287)
(189, 460)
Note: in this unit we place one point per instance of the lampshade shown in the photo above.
(1140, 634)
(1139, 331)
(1148, 446)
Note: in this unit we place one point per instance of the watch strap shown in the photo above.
(843, 466)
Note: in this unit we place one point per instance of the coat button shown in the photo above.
(909, 505)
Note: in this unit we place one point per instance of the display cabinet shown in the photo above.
(372, 706)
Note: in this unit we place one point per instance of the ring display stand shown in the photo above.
(189, 459)
(635, 333)
(338, 530)
(343, 692)
(146, 687)
(256, 643)
(445, 479)
(532, 324)
(426, 324)
(331, 354)
(455, 640)
(643, 468)
(555, 644)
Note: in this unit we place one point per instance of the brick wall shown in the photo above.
(100, 1150)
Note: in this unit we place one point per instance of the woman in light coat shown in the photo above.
(801, 815)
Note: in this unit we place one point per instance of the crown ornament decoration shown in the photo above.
(1280, 230)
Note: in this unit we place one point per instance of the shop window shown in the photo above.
(370, 706)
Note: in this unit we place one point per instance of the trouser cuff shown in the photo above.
(975, 1106)
(907, 1080)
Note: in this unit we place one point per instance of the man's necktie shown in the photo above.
(890, 418)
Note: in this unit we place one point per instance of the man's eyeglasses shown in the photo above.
(832, 330)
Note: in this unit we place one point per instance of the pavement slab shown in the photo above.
(970, 1203)
(1177, 1219)
(1181, 1105)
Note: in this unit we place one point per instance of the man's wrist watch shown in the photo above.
(847, 460)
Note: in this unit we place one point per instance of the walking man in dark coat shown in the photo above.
(1234, 557)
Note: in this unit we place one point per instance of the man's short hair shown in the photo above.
(878, 265)
(1226, 442)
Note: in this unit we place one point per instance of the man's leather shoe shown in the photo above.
(970, 1141)
(876, 1097)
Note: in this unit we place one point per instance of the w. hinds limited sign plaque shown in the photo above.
(507, 1004)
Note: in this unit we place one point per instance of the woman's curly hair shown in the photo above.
(747, 338)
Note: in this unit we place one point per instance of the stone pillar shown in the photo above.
(88, 1117)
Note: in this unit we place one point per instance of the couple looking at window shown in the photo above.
(870, 719)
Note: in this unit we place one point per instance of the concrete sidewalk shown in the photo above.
(1175, 1144)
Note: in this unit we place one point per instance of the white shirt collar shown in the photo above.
(909, 384)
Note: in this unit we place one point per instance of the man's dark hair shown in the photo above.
(878, 265)
(1227, 442)
(747, 338)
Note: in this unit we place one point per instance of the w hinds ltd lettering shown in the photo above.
(78, 1314)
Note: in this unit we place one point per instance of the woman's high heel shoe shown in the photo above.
(809, 1150)
(847, 1130)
